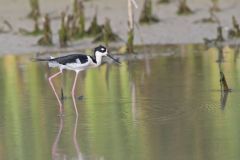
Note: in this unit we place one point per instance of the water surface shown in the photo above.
(168, 107)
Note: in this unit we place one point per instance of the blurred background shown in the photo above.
(166, 22)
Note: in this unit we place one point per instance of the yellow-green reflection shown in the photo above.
(12, 109)
(163, 108)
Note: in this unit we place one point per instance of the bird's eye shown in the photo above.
(103, 49)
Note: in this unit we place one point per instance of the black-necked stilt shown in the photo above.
(77, 63)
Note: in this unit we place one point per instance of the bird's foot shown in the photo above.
(61, 115)
(68, 97)
(63, 98)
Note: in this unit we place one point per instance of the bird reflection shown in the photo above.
(75, 142)
(57, 153)
(76, 145)
(107, 76)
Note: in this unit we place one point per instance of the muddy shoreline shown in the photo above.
(172, 28)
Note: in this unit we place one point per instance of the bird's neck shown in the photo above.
(98, 59)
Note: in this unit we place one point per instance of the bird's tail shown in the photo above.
(51, 62)
(42, 59)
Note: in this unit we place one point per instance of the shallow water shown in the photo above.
(168, 107)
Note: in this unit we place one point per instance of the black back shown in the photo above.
(71, 59)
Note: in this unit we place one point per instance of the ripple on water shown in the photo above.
(211, 106)
(159, 111)
(143, 109)
(162, 111)
(150, 109)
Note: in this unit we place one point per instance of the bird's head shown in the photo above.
(102, 51)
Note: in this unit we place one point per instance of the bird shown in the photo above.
(77, 63)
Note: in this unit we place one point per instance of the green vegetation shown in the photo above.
(223, 81)
(146, 14)
(7, 28)
(212, 19)
(46, 40)
(183, 8)
(219, 34)
(130, 45)
(163, 1)
(235, 31)
(215, 6)
(63, 31)
(215, 42)
(94, 29)
(79, 17)
(35, 9)
(107, 35)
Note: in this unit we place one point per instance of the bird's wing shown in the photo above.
(73, 58)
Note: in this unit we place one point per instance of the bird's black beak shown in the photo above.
(115, 60)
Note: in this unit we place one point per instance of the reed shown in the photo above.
(106, 35)
(94, 28)
(130, 45)
(35, 9)
(235, 31)
(223, 82)
(79, 19)
(183, 8)
(146, 14)
(46, 40)
(215, 7)
(163, 1)
(63, 32)
(219, 34)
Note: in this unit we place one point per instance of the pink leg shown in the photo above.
(73, 93)
(50, 81)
